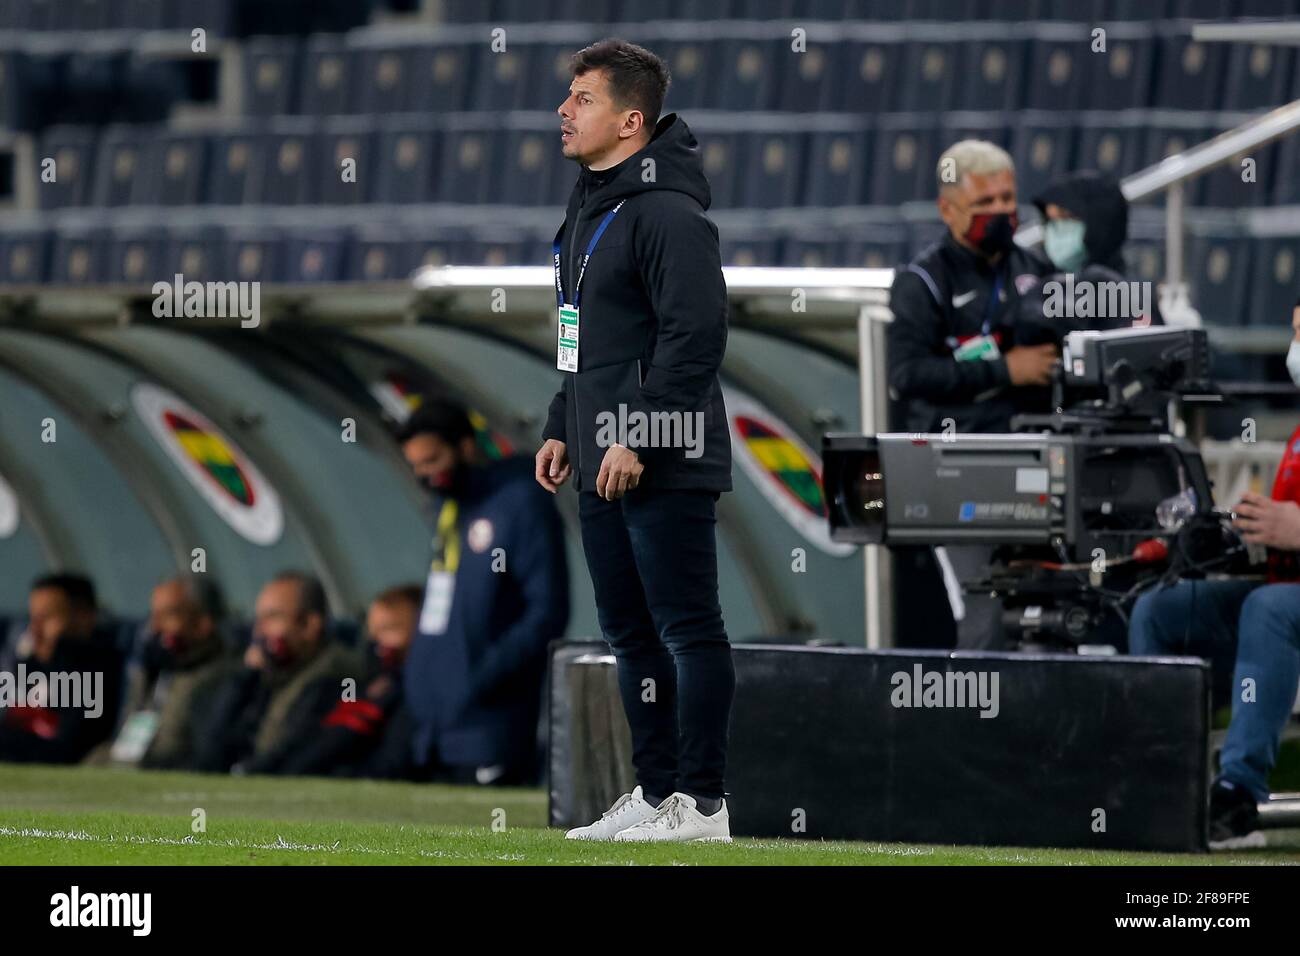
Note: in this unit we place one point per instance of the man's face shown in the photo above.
(175, 618)
(976, 194)
(591, 123)
(281, 624)
(433, 460)
(52, 619)
(390, 627)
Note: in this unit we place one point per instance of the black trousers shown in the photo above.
(654, 566)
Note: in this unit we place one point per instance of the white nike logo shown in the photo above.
(959, 300)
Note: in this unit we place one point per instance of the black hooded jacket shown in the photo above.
(1099, 204)
(653, 325)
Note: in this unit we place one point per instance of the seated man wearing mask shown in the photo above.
(172, 683)
(368, 733)
(953, 359)
(497, 594)
(293, 676)
(1251, 627)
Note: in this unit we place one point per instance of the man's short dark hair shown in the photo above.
(204, 594)
(311, 593)
(77, 588)
(435, 416)
(637, 78)
(409, 594)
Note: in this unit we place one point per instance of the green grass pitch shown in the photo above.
(78, 816)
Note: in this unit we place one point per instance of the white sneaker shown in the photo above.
(628, 810)
(678, 821)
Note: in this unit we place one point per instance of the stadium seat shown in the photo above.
(808, 85)
(750, 251)
(1225, 188)
(1259, 76)
(879, 247)
(345, 138)
(78, 256)
(136, 256)
(1286, 185)
(503, 77)
(325, 83)
(253, 254)
(176, 170)
(1114, 149)
(238, 159)
(930, 70)
(1162, 142)
(291, 173)
(528, 175)
(1190, 74)
(871, 73)
(270, 75)
(837, 168)
(195, 252)
(119, 166)
(906, 157)
(1042, 153)
(1217, 269)
(1121, 77)
(723, 165)
(773, 169)
(440, 79)
(992, 75)
(812, 252)
(689, 64)
(375, 254)
(749, 73)
(406, 162)
(464, 157)
(72, 148)
(382, 78)
(24, 256)
(1274, 279)
(550, 78)
(317, 257)
(1057, 73)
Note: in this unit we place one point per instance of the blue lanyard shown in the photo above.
(591, 247)
(992, 303)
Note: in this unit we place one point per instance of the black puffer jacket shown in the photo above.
(653, 326)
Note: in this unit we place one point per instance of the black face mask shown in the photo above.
(992, 233)
(453, 485)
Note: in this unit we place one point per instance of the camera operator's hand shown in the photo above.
(1031, 364)
(1274, 524)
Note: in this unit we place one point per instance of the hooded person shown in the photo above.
(1085, 225)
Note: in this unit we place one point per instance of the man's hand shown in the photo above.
(620, 472)
(553, 467)
(1031, 364)
(1274, 524)
(1295, 321)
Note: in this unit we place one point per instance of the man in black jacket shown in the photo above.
(954, 360)
(639, 422)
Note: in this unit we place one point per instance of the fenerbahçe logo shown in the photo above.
(228, 481)
(786, 471)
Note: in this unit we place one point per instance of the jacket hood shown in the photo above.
(678, 165)
(1099, 203)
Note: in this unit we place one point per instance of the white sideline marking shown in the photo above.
(280, 844)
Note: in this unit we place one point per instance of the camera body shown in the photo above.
(1087, 506)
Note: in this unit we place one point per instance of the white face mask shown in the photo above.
(1293, 361)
